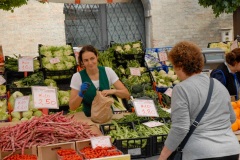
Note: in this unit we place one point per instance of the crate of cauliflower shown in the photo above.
(58, 62)
(25, 115)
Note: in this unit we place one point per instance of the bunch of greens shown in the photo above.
(63, 97)
(129, 48)
(31, 80)
(56, 51)
(11, 63)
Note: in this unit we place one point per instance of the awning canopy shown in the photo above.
(86, 1)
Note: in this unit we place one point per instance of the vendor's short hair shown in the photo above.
(233, 56)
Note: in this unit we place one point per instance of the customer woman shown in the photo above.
(228, 73)
(85, 83)
(213, 138)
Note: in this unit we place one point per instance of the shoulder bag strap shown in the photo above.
(199, 117)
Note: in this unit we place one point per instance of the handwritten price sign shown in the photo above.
(21, 104)
(45, 97)
(168, 92)
(135, 71)
(162, 56)
(102, 141)
(2, 80)
(25, 64)
(54, 60)
(145, 108)
(153, 124)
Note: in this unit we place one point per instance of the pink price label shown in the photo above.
(54, 60)
(2, 80)
(135, 71)
(101, 141)
(21, 103)
(25, 64)
(162, 56)
(168, 92)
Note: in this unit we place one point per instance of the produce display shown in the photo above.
(226, 46)
(43, 130)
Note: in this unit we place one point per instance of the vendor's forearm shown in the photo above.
(75, 102)
(122, 93)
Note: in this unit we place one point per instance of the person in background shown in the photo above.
(213, 138)
(85, 83)
(228, 73)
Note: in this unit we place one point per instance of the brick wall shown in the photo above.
(172, 21)
(175, 20)
(30, 25)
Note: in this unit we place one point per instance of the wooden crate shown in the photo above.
(50, 151)
(32, 150)
(86, 143)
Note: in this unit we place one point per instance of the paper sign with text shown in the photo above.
(162, 56)
(25, 64)
(135, 71)
(2, 80)
(168, 92)
(145, 108)
(45, 97)
(153, 124)
(21, 103)
(102, 141)
(54, 60)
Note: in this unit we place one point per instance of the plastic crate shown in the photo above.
(136, 147)
(158, 143)
(106, 128)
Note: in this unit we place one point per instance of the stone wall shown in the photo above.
(176, 20)
(30, 25)
(172, 21)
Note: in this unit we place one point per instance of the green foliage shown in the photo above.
(221, 6)
(10, 5)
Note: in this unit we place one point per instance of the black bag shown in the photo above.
(177, 155)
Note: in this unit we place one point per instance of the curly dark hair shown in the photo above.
(233, 57)
(86, 48)
(187, 56)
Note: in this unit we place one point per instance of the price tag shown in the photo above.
(45, 97)
(168, 92)
(2, 80)
(153, 124)
(25, 64)
(54, 60)
(167, 110)
(145, 108)
(162, 56)
(21, 103)
(102, 141)
(234, 45)
(135, 71)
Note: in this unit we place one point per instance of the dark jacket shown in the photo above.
(222, 74)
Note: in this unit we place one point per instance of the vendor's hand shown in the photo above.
(106, 93)
(84, 87)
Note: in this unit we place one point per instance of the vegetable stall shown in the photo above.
(30, 130)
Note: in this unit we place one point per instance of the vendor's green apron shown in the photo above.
(91, 92)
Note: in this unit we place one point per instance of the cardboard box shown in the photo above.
(32, 150)
(86, 143)
(49, 152)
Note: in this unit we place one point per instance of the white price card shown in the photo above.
(145, 108)
(162, 56)
(2, 80)
(54, 60)
(45, 97)
(135, 71)
(168, 92)
(102, 141)
(25, 64)
(21, 103)
(153, 124)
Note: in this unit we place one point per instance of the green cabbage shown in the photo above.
(27, 114)
(16, 115)
(24, 119)
(37, 113)
(15, 120)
